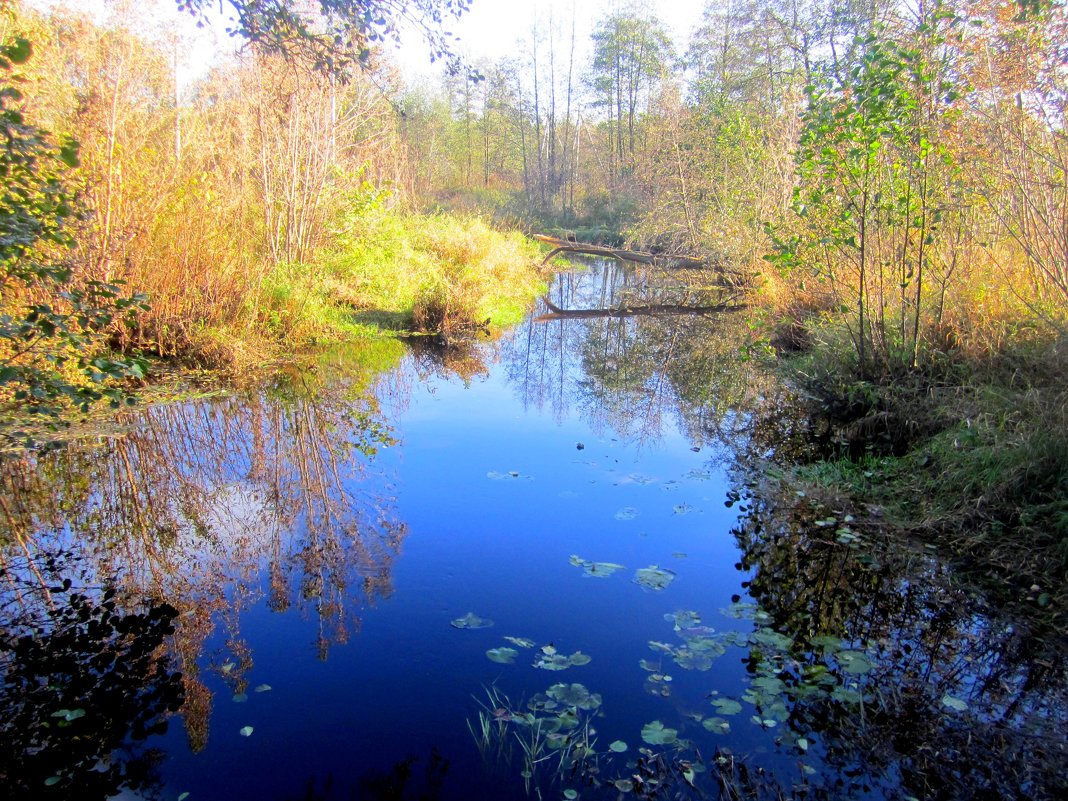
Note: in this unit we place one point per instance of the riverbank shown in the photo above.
(384, 272)
(968, 456)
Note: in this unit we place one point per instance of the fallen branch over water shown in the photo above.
(648, 310)
(636, 256)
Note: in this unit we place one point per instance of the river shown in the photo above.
(562, 564)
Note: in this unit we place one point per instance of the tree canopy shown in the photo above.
(338, 34)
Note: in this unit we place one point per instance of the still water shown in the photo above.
(549, 566)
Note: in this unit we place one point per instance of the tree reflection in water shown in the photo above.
(881, 672)
(84, 681)
(628, 373)
(192, 502)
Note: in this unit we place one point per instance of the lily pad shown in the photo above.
(955, 703)
(771, 638)
(699, 653)
(624, 785)
(522, 642)
(617, 747)
(245, 731)
(627, 513)
(682, 509)
(596, 569)
(727, 706)
(717, 725)
(648, 665)
(570, 794)
(683, 619)
(240, 698)
(503, 656)
(471, 621)
(575, 695)
(262, 688)
(654, 577)
(578, 658)
(656, 733)
(854, 662)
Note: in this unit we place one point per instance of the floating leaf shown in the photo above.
(69, 714)
(503, 656)
(471, 621)
(683, 619)
(575, 695)
(739, 610)
(654, 577)
(495, 476)
(826, 642)
(627, 513)
(802, 743)
(262, 688)
(772, 639)
(727, 706)
(656, 733)
(553, 661)
(52, 780)
(245, 731)
(618, 746)
(596, 569)
(682, 509)
(578, 658)
(227, 667)
(854, 662)
(183, 796)
(718, 725)
(954, 703)
(570, 794)
(624, 785)
(239, 698)
(652, 667)
(522, 642)
(845, 695)
(601, 569)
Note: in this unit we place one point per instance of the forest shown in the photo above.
(828, 283)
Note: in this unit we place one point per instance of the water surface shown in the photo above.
(589, 487)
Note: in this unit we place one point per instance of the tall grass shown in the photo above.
(437, 273)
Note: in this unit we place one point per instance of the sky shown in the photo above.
(490, 30)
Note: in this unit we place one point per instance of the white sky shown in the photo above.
(491, 29)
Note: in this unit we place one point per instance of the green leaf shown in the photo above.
(654, 577)
(570, 794)
(727, 706)
(656, 733)
(955, 703)
(52, 780)
(618, 746)
(503, 656)
(19, 51)
(471, 621)
(717, 725)
(245, 731)
(854, 662)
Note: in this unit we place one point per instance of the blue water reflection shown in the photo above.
(496, 495)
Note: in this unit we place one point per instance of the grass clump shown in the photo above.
(970, 456)
(437, 273)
